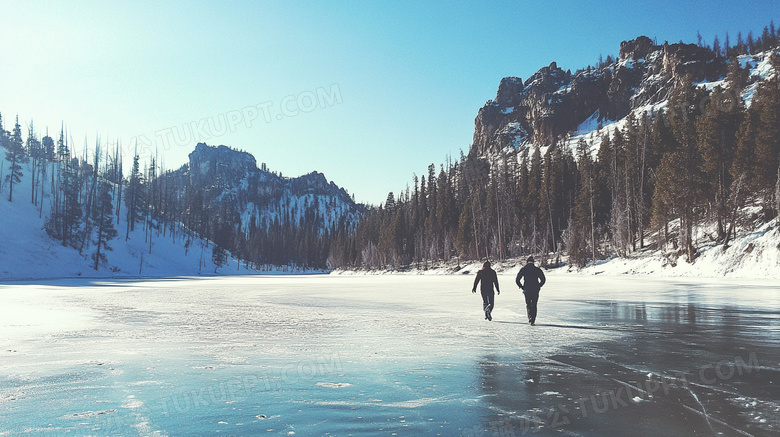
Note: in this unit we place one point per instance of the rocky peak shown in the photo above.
(508, 89)
(314, 181)
(521, 110)
(209, 164)
(548, 78)
(223, 169)
(689, 59)
(637, 49)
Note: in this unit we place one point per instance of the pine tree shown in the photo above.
(582, 225)
(777, 193)
(684, 181)
(119, 181)
(103, 216)
(522, 188)
(465, 234)
(16, 156)
(647, 160)
(73, 212)
(49, 150)
(533, 205)
(717, 137)
(218, 257)
(602, 177)
(135, 198)
(716, 46)
(390, 201)
(740, 48)
(766, 39)
(547, 196)
(619, 223)
(65, 221)
(631, 170)
(664, 198)
(736, 77)
(92, 195)
(37, 155)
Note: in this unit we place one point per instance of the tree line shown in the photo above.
(647, 184)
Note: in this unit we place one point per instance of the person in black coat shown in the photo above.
(488, 277)
(533, 280)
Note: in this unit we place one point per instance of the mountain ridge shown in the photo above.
(552, 102)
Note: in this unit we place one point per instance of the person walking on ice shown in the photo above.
(533, 280)
(488, 277)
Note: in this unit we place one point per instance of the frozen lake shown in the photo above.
(389, 355)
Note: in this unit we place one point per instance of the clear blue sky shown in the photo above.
(367, 92)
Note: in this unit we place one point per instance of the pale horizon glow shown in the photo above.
(366, 92)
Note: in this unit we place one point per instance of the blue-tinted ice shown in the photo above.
(388, 355)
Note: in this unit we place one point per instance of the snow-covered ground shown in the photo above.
(388, 355)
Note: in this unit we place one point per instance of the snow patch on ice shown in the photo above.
(333, 384)
(132, 403)
(86, 414)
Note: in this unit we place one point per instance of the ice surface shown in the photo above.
(385, 355)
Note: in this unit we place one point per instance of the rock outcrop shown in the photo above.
(553, 102)
(209, 164)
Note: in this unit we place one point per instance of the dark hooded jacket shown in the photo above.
(534, 278)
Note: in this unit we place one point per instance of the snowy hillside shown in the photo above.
(28, 252)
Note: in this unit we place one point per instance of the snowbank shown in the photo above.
(754, 254)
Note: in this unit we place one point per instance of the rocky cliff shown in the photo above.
(553, 102)
(208, 164)
(228, 178)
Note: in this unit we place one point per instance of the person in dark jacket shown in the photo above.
(533, 280)
(488, 277)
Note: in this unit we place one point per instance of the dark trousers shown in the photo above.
(531, 298)
(487, 300)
